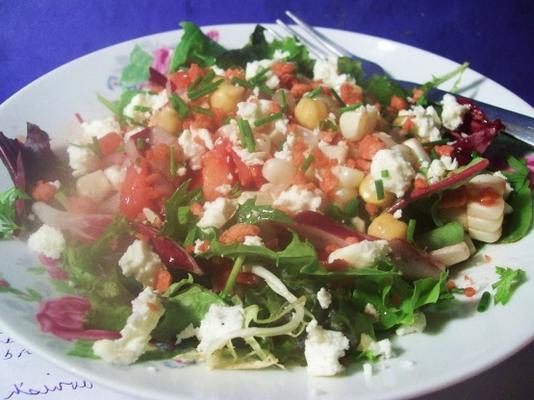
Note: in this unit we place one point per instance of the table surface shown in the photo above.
(496, 38)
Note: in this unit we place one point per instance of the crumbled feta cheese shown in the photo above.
(426, 122)
(367, 370)
(324, 298)
(418, 325)
(218, 321)
(400, 172)
(231, 132)
(287, 149)
(361, 254)
(449, 163)
(334, 151)
(255, 158)
(181, 171)
(297, 199)
(218, 71)
(200, 246)
(247, 110)
(140, 262)
(326, 71)
(150, 101)
(223, 189)
(82, 160)
(397, 214)
(436, 171)
(217, 213)
(255, 67)
(323, 348)
(99, 128)
(382, 348)
(452, 112)
(115, 175)
(152, 217)
(194, 143)
(371, 311)
(253, 240)
(146, 312)
(188, 332)
(48, 241)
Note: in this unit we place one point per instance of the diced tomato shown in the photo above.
(350, 94)
(407, 125)
(397, 103)
(469, 291)
(216, 171)
(329, 181)
(416, 94)
(181, 80)
(257, 174)
(420, 183)
(236, 233)
(44, 191)
(109, 143)
(285, 73)
(368, 146)
(234, 73)
(444, 150)
(298, 89)
(244, 174)
(163, 280)
(195, 72)
(454, 198)
(134, 192)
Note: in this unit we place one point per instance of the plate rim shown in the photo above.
(432, 386)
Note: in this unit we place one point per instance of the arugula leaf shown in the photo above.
(179, 218)
(8, 211)
(187, 306)
(519, 176)
(138, 68)
(351, 67)
(298, 253)
(438, 80)
(509, 280)
(345, 214)
(298, 54)
(257, 48)
(194, 47)
(250, 213)
(218, 249)
(382, 89)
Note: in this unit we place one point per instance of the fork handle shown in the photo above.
(517, 125)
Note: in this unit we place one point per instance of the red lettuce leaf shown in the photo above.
(478, 133)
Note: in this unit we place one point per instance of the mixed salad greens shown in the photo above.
(256, 207)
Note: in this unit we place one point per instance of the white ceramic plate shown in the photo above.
(448, 352)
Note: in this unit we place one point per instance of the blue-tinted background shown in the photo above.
(495, 36)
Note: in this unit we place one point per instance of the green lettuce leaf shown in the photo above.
(179, 219)
(351, 67)
(137, 70)
(297, 53)
(509, 280)
(382, 89)
(257, 48)
(194, 47)
(7, 211)
(250, 213)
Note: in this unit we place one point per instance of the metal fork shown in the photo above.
(518, 125)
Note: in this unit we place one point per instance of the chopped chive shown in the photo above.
(350, 108)
(204, 90)
(242, 82)
(95, 146)
(172, 162)
(433, 154)
(379, 186)
(336, 96)
(246, 135)
(140, 143)
(410, 230)
(283, 101)
(179, 105)
(270, 118)
(307, 162)
(265, 89)
(384, 173)
(314, 92)
(202, 110)
(202, 80)
(258, 77)
(485, 302)
(142, 109)
(111, 106)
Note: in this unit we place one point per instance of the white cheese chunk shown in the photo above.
(99, 128)
(452, 112)
(296, 199)
(323, 348)
(217, 213)
(426, 122)
(400, 172)
(135, 109)
(327, 71)
(146, 312)
(218, 321)
(194, 143)
(82, 160)
(47, 240)
(361, 254)
(140, 262)
(324, 298)
(253, 240)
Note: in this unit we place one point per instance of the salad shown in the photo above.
(255, 207)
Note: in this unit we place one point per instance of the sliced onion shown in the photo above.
(161, 136)
(84, 227)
